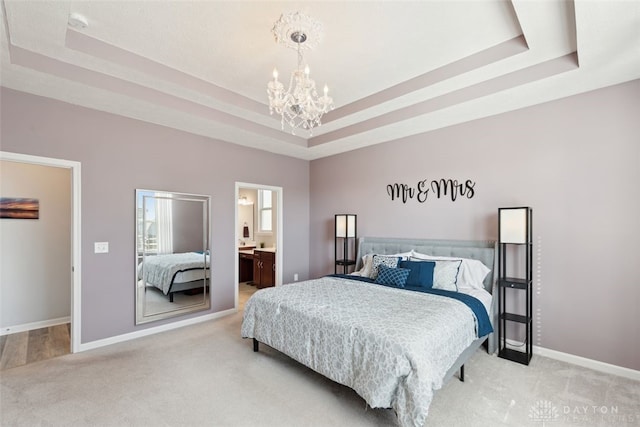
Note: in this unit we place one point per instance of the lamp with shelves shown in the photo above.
(515, 231)
(345, 242)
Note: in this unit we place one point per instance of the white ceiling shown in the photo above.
(395, 69)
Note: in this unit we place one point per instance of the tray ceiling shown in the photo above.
(395, 69)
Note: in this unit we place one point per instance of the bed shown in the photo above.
(173, 273)
(395, 347)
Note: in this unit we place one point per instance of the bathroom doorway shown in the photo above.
(258, 230)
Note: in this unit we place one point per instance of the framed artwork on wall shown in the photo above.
(19, 208)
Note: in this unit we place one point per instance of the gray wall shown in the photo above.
(576, 161)
(35, 255)
(119, 155)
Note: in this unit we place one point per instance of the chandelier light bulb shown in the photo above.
(326, 90)
(275, 74)
(306, 70)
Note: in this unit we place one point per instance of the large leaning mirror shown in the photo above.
(172, 254)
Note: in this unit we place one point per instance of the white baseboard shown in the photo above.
(596, 365)
(150, 331)
(6, 330)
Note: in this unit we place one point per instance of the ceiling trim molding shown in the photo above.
(44, 64)
(498, 84)
(472, 62)
(91, 46)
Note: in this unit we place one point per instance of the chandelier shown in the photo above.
(299, 105)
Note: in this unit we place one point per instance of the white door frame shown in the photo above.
(76, 286)
(279, 231)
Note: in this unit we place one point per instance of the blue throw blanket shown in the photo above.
(484, 324)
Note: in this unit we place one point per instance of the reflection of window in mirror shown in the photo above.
(265, 209)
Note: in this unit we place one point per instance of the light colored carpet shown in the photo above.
(206, 375)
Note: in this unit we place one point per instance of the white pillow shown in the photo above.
(367, 260)
(472, 272)
(445, 275)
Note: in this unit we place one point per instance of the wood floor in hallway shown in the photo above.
(26, 347)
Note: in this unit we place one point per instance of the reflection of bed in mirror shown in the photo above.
(172, 273)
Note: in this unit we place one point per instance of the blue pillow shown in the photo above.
(421, 273)
(392, 276)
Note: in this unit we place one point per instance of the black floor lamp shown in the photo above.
(345, 238)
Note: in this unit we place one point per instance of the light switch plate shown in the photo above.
(101, 247)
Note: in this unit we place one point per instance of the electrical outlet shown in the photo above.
(295, 277)
(100, 247)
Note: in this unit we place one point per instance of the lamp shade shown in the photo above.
(513, 224)
(345, 225)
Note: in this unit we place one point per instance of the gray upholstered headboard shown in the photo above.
(482, 250)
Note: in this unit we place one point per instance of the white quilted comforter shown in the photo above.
(392, 346)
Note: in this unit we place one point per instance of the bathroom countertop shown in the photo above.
(250, 251)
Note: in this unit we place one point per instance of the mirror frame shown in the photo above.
(141, 316)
